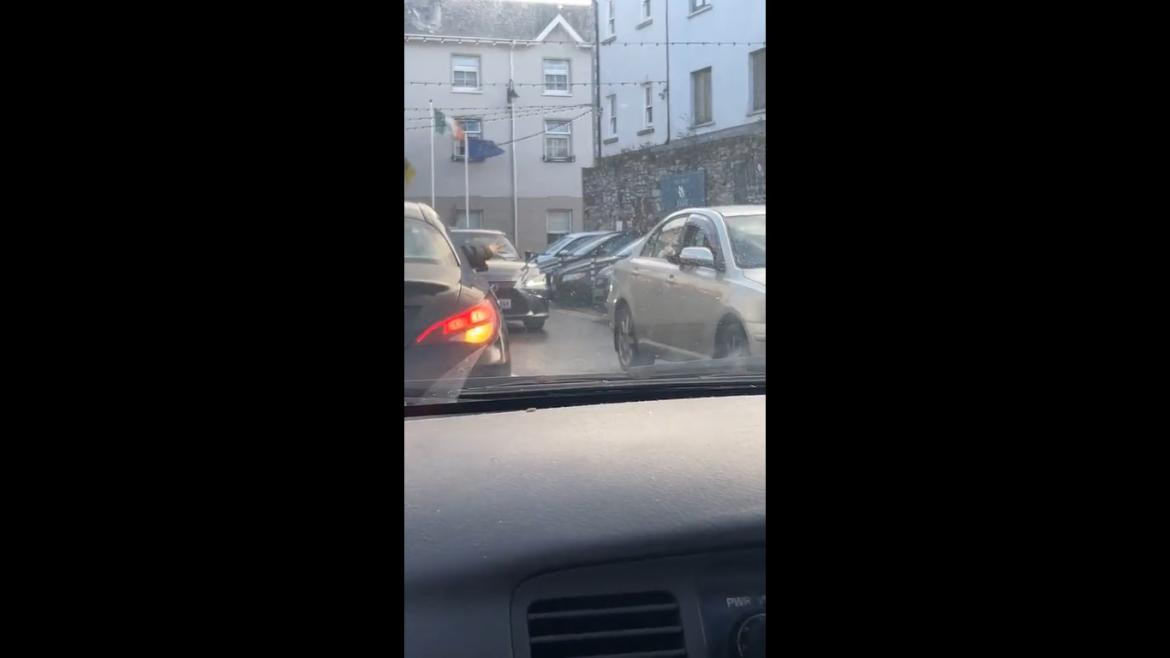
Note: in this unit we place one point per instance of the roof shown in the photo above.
(727, 211)
(495, 19)
(416, 210)
(481, 231)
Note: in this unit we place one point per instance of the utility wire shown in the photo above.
(494, 107)
(532, 42)
(534, 84)
(495, 116)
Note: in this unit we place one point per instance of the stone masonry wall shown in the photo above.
(626, 186)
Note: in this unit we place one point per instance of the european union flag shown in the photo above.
(482, 149)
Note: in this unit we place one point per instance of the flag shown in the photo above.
(443, 122)
(482, 149)
(409, 171)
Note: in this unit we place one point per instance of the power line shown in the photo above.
(495, 116)
(533, 42)
(495, 107)
(570, 120)
(425, 83)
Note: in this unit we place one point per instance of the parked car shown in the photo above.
(695, 290)
(451, 321)
(569, 241)
(505, 270)
(603, 279)
(572, 280)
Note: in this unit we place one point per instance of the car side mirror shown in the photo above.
(527, 256)
(478, 256)
(697, 256)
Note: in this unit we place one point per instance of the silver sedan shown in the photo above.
(695, 291)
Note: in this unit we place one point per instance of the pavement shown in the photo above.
(574, 341)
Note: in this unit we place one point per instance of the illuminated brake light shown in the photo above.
(475, 325)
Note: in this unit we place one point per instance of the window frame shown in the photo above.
(567, 136)
(457, 144)
(458, 89)
(611, 17)
(697, 5)
(468, 215)
(709, 117)
(568, 90)
(652, 241)
(646, 10)
(752, 109)
(613, 122)
(547, 228)
(647, 105)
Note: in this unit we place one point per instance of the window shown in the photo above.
(645, 9)
(462, 222)
(612, 17)
(648, 98)
(758, 79)
(474, 130)
(465, 73)
(558, 136)
(696, 5)
(701, 236)
(556, 77)
(422, 242)
(559, 222)
(613, 115)
(701, 94)
(665, 243)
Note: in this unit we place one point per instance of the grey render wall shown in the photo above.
(625, 187)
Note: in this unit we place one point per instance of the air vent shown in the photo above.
(643, 625)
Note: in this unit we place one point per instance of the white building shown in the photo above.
(462, 56)
(708, 88)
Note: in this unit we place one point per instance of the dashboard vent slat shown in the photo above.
(637, 625)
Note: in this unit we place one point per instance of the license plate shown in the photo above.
(506, 304)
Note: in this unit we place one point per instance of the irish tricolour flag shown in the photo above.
(443, 122)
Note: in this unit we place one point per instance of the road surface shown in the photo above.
(573, 342)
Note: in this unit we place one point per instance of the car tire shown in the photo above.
(534, 324)
(731, 340)
(626, 341)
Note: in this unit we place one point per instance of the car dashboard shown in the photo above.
(633, 529)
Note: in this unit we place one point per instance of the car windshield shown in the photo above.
(587, 143)
(747, 235)
(501, 248)
(423, 243)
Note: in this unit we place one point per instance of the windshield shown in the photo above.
(746, 233)
(501, 248)
(588, 143)
(423, 243)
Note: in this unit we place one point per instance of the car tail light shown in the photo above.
(475, 325)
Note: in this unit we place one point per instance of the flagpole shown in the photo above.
(431, 105)
(466, 178)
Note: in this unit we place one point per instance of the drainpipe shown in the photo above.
(666, 8)
(512, 138)
(596, 81)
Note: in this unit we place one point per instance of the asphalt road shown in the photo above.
(573, 342)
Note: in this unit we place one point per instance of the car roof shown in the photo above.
(728, 211)
(423, 212)
(477, 231)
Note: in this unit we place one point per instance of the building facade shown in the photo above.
(520, 76)
(682, 108)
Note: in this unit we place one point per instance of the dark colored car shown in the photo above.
(569, 241)
(571, 277)
(451, 321)
(505, 273)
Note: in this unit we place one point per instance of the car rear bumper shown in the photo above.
(523, 304)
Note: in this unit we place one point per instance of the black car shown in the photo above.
(571, 277)
(552, 253)
(451, 321)
(522, 299)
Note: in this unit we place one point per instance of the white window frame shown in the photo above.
(710, 100)
(474, 213)
(752, 82)
(557, 134)
(645, 10)
(465, 68)
(457, 144)
(613, 105)
(697, 5)
(568, 90)
(648, 105)
(611, 16)
(548, 227)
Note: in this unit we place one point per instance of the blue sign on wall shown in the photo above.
(683, 190)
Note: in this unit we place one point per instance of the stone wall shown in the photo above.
(625, 187)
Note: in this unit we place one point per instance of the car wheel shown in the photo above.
(627, 342)
(534, 324)
(730, 340)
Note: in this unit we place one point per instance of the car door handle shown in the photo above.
(670, 280)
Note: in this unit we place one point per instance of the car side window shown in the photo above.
(701, 236)
(667, 243)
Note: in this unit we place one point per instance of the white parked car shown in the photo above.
(696, 290)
